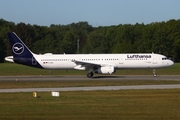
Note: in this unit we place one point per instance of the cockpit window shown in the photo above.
(167, 58)
(164, 58)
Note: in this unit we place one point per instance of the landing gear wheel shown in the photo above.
(154, 73)
(90, 75)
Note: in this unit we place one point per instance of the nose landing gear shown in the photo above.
(154, 73)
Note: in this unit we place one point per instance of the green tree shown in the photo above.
(158, 37)
(2, 51)
(97, 42)
(69, 43)
(25, 32)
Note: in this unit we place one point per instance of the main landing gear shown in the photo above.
(154, 73)
(90, 75)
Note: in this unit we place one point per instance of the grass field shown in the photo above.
(16, 69)
(96, 105)
(88, 105)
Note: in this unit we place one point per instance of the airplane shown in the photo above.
(93, 63)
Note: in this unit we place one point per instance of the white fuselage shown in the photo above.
(119, 61)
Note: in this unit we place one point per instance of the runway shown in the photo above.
(134, 87)
(70, 78)
(75, 78)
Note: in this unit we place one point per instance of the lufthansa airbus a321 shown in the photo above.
(93, 63)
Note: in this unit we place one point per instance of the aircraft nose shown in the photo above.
(170, 63)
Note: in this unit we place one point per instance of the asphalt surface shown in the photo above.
(134, 87)
(70, 78)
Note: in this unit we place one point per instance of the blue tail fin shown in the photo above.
(21, 53)
(19, 49)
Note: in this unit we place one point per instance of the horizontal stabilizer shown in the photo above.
(9, 59)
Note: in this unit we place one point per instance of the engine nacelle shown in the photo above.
(106, 70)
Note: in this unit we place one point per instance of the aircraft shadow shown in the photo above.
(98, 77)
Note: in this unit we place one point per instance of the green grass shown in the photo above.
(96, 105)
(16, 69)
(88, 105)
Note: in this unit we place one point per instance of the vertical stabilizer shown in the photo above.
(19, 49)
(21, 53)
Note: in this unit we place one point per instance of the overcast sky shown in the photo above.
(95, 12)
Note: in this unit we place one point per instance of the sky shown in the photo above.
(95, 12)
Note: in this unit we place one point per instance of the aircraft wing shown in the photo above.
(81, 65)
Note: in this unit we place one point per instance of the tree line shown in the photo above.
(158, 37)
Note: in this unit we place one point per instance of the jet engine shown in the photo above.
(105, 70)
